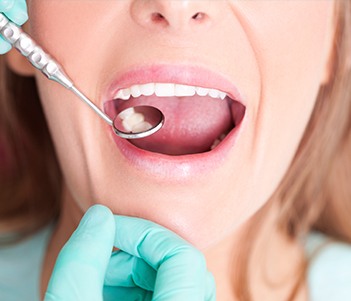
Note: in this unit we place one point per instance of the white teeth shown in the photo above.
(202, 91)
(222, 95)
(123, 94)
(214, 93)
(134, 122)
(126, 113)
(147, 89)
(183, 90)
(167, 90)
(135, 91)
(164, 90)
(218, 141)
(141, 127)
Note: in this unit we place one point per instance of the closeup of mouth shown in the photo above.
(198, 118)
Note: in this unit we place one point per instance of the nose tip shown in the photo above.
(177, 15)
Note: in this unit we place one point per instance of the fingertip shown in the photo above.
(100, 209)
(20, 17)
(97, 220)
(4, 46)
(98, 214)
(92, 241)
(15, 11)
(6, 5)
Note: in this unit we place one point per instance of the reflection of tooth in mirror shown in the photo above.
(141, 127)
(133, 122)
(126, 113)
(138, 122)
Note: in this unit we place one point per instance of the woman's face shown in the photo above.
(269, 56)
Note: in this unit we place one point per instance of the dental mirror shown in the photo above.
(136, 122)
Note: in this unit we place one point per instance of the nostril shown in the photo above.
(198, 16)
(158, 18)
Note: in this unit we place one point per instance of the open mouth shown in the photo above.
(197, 119)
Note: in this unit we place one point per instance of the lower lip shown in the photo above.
(177, 168)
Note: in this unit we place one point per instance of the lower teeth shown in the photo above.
(218, 141)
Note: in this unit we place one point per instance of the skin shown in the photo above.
(277, 57)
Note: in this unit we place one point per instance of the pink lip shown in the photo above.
(175, 168)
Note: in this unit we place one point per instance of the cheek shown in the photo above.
(292, 40)
(62, 113)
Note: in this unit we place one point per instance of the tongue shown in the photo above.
(191, 126)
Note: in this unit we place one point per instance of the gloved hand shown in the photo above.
(16, 11)
(152, 263)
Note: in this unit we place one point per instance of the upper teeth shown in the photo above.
(167, 90)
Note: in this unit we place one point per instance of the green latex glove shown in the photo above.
(153, 263)
(16, 11)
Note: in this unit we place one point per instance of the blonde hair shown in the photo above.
(314, 194)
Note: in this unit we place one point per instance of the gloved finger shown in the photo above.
(6, 5)
(15, 10)
(129, 271)
(112, 293)
(210, 288)
(4, 46)
(181, 269)
(81, 265)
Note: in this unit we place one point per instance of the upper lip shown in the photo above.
(178, 74)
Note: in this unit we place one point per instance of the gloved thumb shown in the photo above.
(81, 265)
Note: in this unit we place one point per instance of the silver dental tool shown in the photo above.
(152, 118)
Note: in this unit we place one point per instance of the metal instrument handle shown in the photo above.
(42, 61)
(34, 53)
